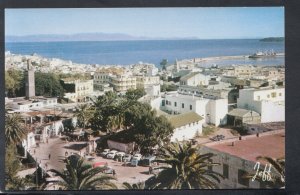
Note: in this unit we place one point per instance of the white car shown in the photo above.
(135, 159)
(105, 152)
(111, 154)
(127, 158)
(137, 156)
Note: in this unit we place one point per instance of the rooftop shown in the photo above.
(242, 112)
(183, 119)
(187, 97)
(271, 144)
(188, 76)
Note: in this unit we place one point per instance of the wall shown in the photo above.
(272, 112)
(187, 132)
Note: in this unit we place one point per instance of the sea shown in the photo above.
(150, 51)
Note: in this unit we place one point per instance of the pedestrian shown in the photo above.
(46, 165)
(47, 140)
(150, 170)
(66, 153)
(114, 172)
(34, 151)
(49, 156)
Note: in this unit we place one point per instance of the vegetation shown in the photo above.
(185, 168)
(137, 120)
(14, 134)
(208, 130)
(135, 94)
(14, 129)
(137, 186)
(165, 87)
(163, 64)
(81, 176)
(84, 114)
(48, 84)
(14, 83)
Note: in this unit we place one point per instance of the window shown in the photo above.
(225, 170)
(191, 107)
(268, 96)
(163, 103)
(182, 105)
(175, 104)
(258, 97)
(279, 94)
(273, 94)
(241, 178)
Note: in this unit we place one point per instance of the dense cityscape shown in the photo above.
(178, 126)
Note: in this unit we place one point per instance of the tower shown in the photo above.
(29, 78)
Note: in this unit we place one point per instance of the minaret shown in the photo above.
(177, 67)
(29, 78)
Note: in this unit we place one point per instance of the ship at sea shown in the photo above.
(265, 54)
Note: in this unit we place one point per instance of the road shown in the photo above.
(57, 148)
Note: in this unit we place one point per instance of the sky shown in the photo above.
(203, 23)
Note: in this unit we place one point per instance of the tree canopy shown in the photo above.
(184, 168)
(48, 84)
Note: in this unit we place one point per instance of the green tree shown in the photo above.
(84, 113)
(163, 64)
(136, 186)
(135, 94)
(146, 128)
(81, 176)
(185, 168)
(14, 82)
(14, 129)
(48, 84)
(12, 166)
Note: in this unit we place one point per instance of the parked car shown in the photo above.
(127, 158)
(105, 152)
(111, 154)
(146, 161)
(135, 159)
(108, 170)
(119, 156)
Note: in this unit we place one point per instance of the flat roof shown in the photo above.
(184, 119)
(188, 97)
(270, 144)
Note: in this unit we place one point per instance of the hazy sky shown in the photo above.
(204, 23)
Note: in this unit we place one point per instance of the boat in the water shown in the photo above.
(263, 54)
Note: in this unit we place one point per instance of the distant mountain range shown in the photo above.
(85, 37)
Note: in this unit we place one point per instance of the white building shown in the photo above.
(23, 105)
(268, 102)
(151, 84)
(186, 126)
(214, 111)
(78, 90)
(195, 79)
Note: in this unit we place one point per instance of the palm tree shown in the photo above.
(136, 186)
(83, 114)
(81, 176)
(185, 169)
(14, 129)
